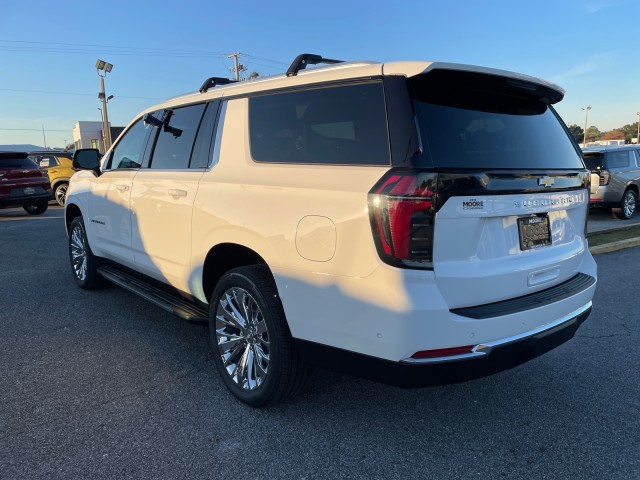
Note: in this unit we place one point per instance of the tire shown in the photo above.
(252, 345)
(627, 206)
(60, 193)
(84, 265)
(36, 207)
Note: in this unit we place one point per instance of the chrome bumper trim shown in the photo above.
(485, 348)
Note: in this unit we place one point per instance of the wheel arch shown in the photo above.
(224, 257)
(58, 181)
(71, 211)
(633, 186)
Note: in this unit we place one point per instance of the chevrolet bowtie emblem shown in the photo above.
(546, 181)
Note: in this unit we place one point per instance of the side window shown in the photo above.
(129, 151)
(219, 128)
(201, 157)
(343, 125)
(637, 152)
(618, 159)
(176, 137)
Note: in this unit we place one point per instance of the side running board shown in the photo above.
(171, 303)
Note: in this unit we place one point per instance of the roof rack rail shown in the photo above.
(301, 62)
(214, 82)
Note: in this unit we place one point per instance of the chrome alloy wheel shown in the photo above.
(78, 242)
(242, 338)
(61, 194)
(629, 204)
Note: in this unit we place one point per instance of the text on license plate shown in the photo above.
(534, 231)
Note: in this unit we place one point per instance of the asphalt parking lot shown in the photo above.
(104, 385)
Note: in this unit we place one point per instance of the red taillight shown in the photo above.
(402, 212)
(443, 352)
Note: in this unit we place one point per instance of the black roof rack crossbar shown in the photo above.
(214, 82)
(301, 62)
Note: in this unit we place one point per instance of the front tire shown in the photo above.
(36, 207)
(627, 206)
(253, 348)
(84, 266)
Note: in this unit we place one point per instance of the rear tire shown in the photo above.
(627, 206)
(253, 348)
(36, 207)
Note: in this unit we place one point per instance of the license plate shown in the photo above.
(28, 191)
(534, 231)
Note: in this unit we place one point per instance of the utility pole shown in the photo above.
(105, 116)
(238, 66)
(586, 116)
(105, 67)
(638, 137)
(44, 138)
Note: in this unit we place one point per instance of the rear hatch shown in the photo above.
(497, 200)
(18, 172)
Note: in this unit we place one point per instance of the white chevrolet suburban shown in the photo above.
(415, 223)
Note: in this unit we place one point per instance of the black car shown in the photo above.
(23, 183)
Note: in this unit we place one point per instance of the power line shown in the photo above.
(118, 47)
(72, 93)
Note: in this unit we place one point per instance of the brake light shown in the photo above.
(401, 210)
(604, 177)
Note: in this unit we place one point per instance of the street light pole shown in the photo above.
(586, 116)
(106, 131)
(638, 137)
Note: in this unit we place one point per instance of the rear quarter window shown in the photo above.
(618, 159)
(341, 125)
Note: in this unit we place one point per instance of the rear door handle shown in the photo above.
(176, 192)
(122, 188)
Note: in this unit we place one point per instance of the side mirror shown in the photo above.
(87, 159)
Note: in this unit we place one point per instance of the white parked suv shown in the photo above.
(415, 223)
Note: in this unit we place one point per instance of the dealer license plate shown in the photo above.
(534, 231)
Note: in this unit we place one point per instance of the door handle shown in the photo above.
(122, 188)
(176, 192)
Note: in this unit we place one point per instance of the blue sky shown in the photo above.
(164, 48)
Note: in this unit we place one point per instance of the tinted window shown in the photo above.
(618, 159)
(200, 158)
(593, 160)
(177, 134)
(343, 125)
(12, 162)
(129, 151)
(468, 138)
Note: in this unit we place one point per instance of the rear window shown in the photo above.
(593, 160)
(13, 162)
(474, 128)
(342, 125)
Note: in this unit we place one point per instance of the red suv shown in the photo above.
(23, 183)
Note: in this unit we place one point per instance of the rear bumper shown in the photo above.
(20, 200)
(486, 359)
